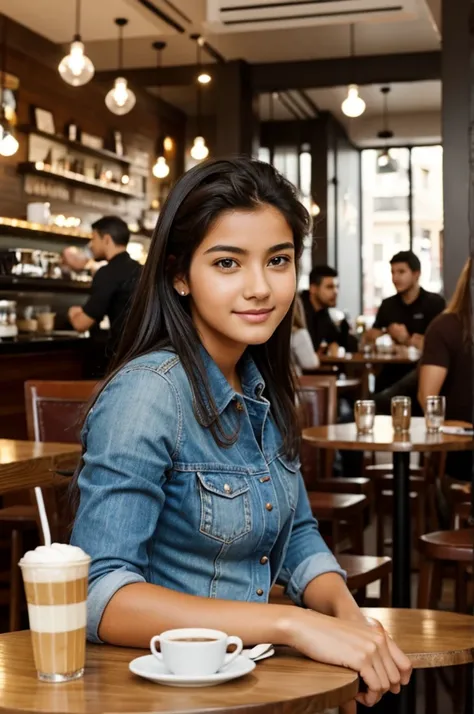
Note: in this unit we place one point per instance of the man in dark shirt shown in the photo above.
(404, 316)
(113, 284)
(322, 295)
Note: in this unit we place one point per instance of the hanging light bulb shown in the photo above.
(8, 142)
(353, 105)
(168, 144)
(120, 100)
(199, 150)
(161, 169)
(76, 68)
(204, 78)
(315, 210)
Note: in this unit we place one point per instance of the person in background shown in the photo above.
(322, 295)
(446, 366)
(405, 316)
(301, 345)
(112, 285)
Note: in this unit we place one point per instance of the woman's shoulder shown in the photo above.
(445, 322)
(158, 367)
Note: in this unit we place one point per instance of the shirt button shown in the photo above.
(227, 488)
(269, 507)
(264, 560)
(259, 591)
(239, 406)
(264, 479)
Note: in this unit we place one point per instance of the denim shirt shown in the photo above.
(162, 502)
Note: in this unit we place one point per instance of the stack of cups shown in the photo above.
(55, 579)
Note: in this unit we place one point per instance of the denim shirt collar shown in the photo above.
(222, 392)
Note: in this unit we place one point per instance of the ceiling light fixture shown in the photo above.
(120, 100)
(385, 162)
(199, 150)
(76, 68)
(353, 105)
(160, 168)
(203, 77)
(8, 141)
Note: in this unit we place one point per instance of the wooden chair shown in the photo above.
(54, 411)
(362, 570)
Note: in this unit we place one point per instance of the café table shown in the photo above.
(284, 683)
(362, 364)
(26, 464)
(383, 438)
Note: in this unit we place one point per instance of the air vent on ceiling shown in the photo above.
(247, 15)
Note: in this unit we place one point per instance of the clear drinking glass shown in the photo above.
(401, 414)
(435, 410)
(364, 415)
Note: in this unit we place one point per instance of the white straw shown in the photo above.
(43, 516)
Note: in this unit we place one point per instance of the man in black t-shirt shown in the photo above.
(404, 316)
(113, 284)
(322, 295)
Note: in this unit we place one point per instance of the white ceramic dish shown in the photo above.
(151, 668)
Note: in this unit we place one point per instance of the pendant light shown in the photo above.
(120, 100)
(385, 162)
(353, 105)
(199, 150)
(203, 77)
(160, 169)
(76, 69)
(8, 141)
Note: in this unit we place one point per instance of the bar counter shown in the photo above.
(59, 356)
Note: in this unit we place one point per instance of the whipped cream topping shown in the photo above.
(60, 553)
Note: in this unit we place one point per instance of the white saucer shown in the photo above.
(151, 668)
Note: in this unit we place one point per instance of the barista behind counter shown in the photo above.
(111, 290)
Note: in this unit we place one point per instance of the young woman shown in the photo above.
(191, 500)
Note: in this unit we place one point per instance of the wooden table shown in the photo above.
(362, 364)
(26, 464)
(284, 683)
(383, 438)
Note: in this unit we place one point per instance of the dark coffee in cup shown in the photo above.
(194, 639)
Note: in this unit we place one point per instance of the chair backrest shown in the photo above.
(55, 410)
(326, 412)
(316, 406)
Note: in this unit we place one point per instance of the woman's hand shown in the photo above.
(363, 646)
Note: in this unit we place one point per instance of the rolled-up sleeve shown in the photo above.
(307, 555)
(130, 437)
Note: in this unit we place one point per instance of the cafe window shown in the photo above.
(402, 204)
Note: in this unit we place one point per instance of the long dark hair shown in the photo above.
(160, 319)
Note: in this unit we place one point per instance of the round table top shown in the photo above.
(430, 638)
(285, 682)
(401, 357)
(383, 438)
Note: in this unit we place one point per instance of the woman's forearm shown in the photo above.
(329, 595)
(140, 610)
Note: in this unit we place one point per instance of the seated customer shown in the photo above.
(405, 316)
(322, 295)
(446, 366)
(302, 350)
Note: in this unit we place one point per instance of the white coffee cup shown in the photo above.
(195, 651)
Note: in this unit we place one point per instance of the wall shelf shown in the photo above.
(25, 229)
(39, 169)
(26, 284)
(76, 145)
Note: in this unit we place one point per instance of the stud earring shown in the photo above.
(183, 292)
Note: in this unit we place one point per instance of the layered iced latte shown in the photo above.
(55, 579)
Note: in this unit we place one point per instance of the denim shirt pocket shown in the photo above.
(288, 471)
(226, 513)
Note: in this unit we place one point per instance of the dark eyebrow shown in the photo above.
(242, 251)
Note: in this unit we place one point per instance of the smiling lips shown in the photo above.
(255, 316)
